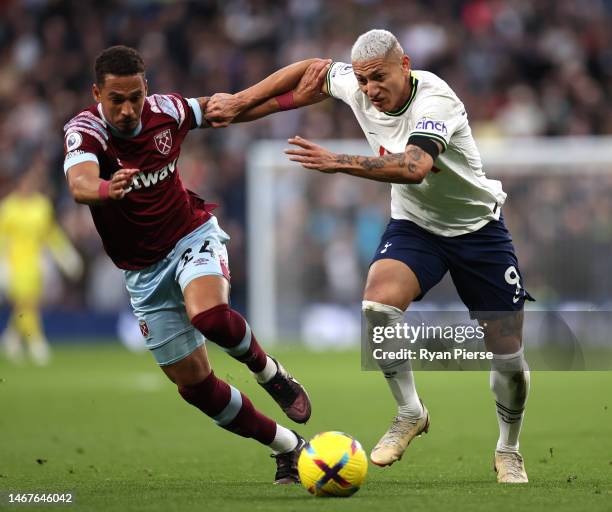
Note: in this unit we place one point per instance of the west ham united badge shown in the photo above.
(144, 328)
(163, 142)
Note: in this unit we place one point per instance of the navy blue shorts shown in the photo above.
(482, 265)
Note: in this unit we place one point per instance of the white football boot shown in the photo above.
(402, 431)
(510, 468)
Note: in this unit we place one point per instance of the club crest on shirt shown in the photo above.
(163, 142)
(144, 328)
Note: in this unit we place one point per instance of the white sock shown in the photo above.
(509, 381)
(404, 391)
(398, 374)
(268, 372)
(284, 440)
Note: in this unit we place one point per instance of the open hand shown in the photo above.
(312, 156)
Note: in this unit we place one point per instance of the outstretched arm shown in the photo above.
(294, 86)
(309, 91)
(411, 166)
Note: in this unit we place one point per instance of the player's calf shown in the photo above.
(398, 373)
(228, 329)
(229, 408)
(412, 417)
(509, 381)
(233, 411)
(232, 333)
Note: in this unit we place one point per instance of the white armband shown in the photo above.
(197, 110)
(78, 156)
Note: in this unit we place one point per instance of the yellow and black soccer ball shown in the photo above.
(332, 464)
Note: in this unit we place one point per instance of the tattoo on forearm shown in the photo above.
(361, 161)
(372, 163)
(415, 153)
(406, 160)
(345, 159)
(398, 158)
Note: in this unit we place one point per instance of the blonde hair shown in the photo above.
(375, 44)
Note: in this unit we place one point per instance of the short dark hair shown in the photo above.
(118, 60)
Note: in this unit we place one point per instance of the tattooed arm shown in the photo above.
(411, 166)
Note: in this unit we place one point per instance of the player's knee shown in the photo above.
(190, 370)
(508, 344)
(214, 322)
(378, 292)
(391, 282)
(220, 325)
(378, 317)
(378, 313)
(504, 335)
(387, 294)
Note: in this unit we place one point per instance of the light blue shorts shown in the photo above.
(156, 292)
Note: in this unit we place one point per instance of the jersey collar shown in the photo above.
(413, 82)
(114, 130)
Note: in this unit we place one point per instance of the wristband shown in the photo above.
(285, 101)
(103, 190)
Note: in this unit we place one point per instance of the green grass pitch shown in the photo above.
(106, 425)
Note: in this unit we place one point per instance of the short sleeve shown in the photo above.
(189, 111)
(341, 82)
(186, 112)
(85, 138)
(194, 105)
(438, 118)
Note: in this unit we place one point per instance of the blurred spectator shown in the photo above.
(27, 228)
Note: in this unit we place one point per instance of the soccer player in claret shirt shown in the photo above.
(445, 217)
(121, 160)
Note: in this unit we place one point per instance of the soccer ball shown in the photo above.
(332, 464)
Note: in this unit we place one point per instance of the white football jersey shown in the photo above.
(456, 197)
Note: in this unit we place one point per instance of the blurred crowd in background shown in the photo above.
(522, 68)
(561, 227)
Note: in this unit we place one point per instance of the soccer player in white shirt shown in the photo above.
(445, 217)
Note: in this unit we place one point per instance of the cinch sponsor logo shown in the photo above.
(149, 179)
(435, 126)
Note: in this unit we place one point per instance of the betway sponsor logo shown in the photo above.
(146, 180)
(432, 126)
